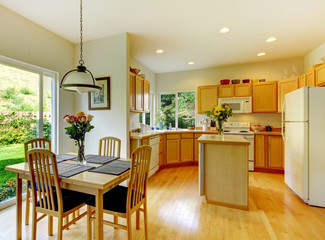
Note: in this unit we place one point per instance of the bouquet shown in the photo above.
(220, 114)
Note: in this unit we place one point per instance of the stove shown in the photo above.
(242, 129)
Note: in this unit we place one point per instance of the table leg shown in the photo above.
(99, 215)
(19, 207)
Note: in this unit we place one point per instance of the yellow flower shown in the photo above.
(220, 117)
(222, 109)
(80, 114)
(227, 108)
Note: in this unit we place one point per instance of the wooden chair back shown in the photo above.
(137, 190)
(109, 146)
(41, 164)
(37, 143)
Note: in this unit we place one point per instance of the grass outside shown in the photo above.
(9, 155)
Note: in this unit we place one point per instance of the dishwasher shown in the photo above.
(154, 161)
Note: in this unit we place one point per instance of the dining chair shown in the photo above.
(31, 144)
(124, 201)
(109, 146)
(48, 197)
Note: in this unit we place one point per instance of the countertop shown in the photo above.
(226, 139)
(159, 132)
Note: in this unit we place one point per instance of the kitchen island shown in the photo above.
(223, 170)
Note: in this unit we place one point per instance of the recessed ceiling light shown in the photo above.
(159, 51)
(224, 30)
(190, 63)
(261, 54)
(271, 39)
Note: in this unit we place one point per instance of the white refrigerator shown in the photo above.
(304, 136)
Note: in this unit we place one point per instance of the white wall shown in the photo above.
(108, 57)
(28, 42)
(270, 70)
(314, 56)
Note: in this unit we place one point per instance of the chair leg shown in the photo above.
(27, 205)
(137, 220)
(34, 224)
(115, 221)
(74, 216)
(50, 225)
(145, 220)
(128, 219)
(89, 228)
(60, 231)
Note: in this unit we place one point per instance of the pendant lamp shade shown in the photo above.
(79, 80)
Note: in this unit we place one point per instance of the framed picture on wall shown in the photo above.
(100, 100)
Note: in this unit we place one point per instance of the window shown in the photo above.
(177, 110)
(147, 118)
(27, 111)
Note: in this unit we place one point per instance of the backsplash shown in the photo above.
(134, 120)
(264, 119)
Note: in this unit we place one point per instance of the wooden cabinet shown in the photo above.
(269, 153)
(138, 93)
(265, 97)
(207, 97)
(132, 91)
(302, 81)
(187, 150)
(226, 91)
(310, 78)
(196, 147)
(146, 96)
(162, 144)
(243, 90)
(173, 148)
(284, 87)
(320, 75)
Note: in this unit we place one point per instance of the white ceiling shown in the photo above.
(187, 30)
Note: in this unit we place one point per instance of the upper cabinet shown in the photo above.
(243, 90)
(310, 78)
(226, 91)
(320, 75)
(302, 81)
(265, 97)
(207, 97)
(286, 86)
(139, 94)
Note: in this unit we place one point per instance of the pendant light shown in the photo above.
(79, 80)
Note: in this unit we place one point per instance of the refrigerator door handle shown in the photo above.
(282, 121)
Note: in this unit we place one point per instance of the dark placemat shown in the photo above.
(116, 167)
(64, 157)
(68, 170)
(97, 159)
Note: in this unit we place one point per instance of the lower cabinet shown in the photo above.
(269, 155)
(196, 147)
(187, 150)
(173, 151)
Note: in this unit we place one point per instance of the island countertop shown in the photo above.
(226, 139)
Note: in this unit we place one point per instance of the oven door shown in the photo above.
(235, 104)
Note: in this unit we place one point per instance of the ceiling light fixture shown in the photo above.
(190, 63)
(261, 54)
(224, 30)
(79, 80)
(159, 51)
(271, 39)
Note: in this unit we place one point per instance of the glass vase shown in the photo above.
(220, 128)
(81, 160)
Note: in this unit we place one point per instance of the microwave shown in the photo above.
(238, 104)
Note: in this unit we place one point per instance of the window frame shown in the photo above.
(151, 104)
(54, 93)
(176, 103)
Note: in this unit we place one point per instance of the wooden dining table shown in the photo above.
(87, 182)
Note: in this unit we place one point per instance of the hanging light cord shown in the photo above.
(81, 62)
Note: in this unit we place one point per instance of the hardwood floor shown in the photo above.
(175, 211)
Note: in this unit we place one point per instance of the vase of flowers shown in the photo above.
(80, 124)
(220, 114)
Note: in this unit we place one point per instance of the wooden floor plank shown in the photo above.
(175, 211)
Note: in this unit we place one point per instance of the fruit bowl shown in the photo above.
(257, 128)
(224, 81)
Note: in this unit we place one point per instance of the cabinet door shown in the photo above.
(259, 151)
(243, 90)
(275, 152)
(196, 150)
(302, 81)
(265, 97)
(173, 151)
(320, 75)
(187, 150)
(161, 159)
(207, 97)
(226, 91)
(310, 78)
(132, 91)
(286, 86)
(138, 93)
(146, 96)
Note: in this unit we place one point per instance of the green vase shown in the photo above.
(220, 128)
